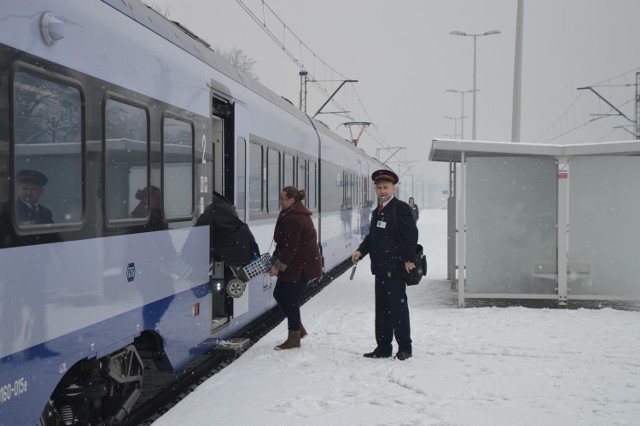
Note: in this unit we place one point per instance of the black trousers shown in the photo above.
(288, 295)
(392, 312)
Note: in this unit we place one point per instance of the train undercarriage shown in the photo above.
(97, 391)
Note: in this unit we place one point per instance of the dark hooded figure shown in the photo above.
(231, 239)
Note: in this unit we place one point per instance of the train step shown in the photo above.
(232, 346)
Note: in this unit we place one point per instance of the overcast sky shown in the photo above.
(404, 59)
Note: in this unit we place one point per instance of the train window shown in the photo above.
(365, 191)
(354, 190)
(341, 182)
(311, 192)
(241, 177)
(273, 180)
(350, 190)
(348, 187)
(302, 175)
(177, 168)
(48, 151)
(289, 168)
(126, 162)
(255, 178)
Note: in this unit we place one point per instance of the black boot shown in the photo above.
(377, 353)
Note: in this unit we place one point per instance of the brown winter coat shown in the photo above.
(297, 244)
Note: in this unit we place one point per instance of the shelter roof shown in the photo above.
(450, 150)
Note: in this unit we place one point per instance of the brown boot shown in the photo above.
(293, 341)
(303, 332)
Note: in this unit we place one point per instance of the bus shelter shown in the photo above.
(540, 221)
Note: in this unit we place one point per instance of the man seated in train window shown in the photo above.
(149, 205)
(30, 188)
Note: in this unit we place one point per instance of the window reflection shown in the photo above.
(126, 157)
(241, 177)
(289, 161)
(255, 178)
(273, 181)
(48, 143)
(178, 168)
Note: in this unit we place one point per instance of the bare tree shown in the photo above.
(240, 60)
(235, 55)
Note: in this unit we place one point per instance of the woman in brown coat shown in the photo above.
(296, 260)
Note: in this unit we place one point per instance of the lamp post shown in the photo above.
(455, 124)
(462, 92)
(475, 37)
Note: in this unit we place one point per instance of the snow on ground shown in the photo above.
(473, 366)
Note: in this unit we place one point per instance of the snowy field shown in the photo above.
(471, 367)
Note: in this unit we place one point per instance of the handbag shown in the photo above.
(414, 276)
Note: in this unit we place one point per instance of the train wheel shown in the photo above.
(235, 288)
(96, 391)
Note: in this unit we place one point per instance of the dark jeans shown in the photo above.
(288, 295)
(392, 312)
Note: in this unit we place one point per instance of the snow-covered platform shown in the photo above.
(470, 367)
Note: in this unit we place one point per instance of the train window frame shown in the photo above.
(288, 169)
(313, 186)
(259, 162)
(115, 223)
(165, 190)
(278, 187)
(301, 169)
(49, 76)
(240, 183)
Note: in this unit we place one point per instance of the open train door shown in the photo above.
(222, 123)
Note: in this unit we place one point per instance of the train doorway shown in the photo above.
(222, 139)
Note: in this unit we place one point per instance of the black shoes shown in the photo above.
(377, 354)
(402, 355)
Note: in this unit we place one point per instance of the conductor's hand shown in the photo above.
(409, 266)
(356, 256)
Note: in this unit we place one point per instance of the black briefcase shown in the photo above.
(414, 276)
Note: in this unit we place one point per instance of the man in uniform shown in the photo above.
(391, 242)
(30, 188)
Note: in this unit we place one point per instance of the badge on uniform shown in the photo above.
(382, 224)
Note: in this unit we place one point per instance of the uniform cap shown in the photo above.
(33, 177)
(385, 175)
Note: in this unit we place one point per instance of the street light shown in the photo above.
(475, 36)
(455, 124)
(462, 92)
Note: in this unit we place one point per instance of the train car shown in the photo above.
(115, 126)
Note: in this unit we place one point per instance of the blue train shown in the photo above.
(116, 125)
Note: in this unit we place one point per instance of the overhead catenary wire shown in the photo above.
(329, 74)
(582, 111)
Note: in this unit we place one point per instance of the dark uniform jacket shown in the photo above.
(392, 237)
(296, 244)
(26, 216)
